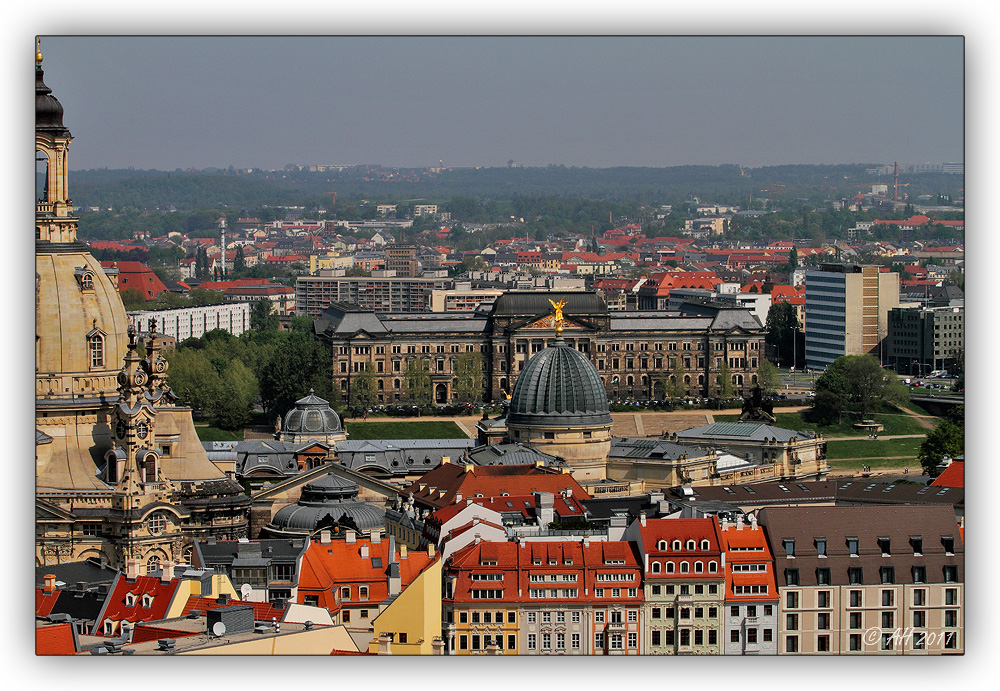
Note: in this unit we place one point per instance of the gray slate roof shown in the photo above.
(741, 431)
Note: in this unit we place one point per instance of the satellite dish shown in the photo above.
(219, 629)
(245, 591)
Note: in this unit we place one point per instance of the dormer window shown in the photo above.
(789, 546)
(661, 545)
(820, 547)
(130, 599)
(676, 545)
(147, 600)
(949, 545)
(691, 545)
(705, 545)
(95, 346)
(918, 546)
(883, 544)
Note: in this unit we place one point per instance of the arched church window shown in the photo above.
(156, 524)
(152, 564)
(149, 468)
(41, 176)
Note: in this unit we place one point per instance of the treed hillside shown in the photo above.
(727, 184)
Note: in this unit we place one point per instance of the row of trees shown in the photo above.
(226, 378)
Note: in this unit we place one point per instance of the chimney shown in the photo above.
(468, 502)
(477, 538)
(437, 645)
(351, 537)
(223, 599)
(132, 569)
(50, 583)
(376, 537)
(445, 459)
(364, 551)
(586, 541)
(430, 551)
(324, 537)
(470, 468)
(402, 551)
(81, 585)
(166, 571)
(642, 520)
(458, 497)
(739, 522)
(475, 520)
(384, 645)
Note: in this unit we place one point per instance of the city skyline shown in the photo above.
(197, 102)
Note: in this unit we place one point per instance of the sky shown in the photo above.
(168, 102)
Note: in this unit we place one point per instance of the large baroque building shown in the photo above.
(120, 475)
(634, 353)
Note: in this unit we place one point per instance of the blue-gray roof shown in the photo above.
(742, 431)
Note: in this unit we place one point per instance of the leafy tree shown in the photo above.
(779, 332)
(793, 258)
(857, 381)
(295, 363)
(418, 381)
(302, 324)
(133, 299)
(767, 376)
(469, 376)
(357, 271)
(947, 439)
(362, 387)
(192, 375)
(726, 387)
(262, 318)
(239, 261)
(239, 391)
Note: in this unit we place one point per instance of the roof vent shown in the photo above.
(166, 644)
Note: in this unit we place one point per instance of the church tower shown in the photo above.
(120, 473)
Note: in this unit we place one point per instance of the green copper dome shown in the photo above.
(559, 386)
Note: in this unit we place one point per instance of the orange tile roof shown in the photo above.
(953, 476)
(325, 568)
(44, 603)
(55, 639)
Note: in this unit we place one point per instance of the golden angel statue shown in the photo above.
(558, 306)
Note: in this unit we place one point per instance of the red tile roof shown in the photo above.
(139, 276)
(519, 562)
(953, 476)
(55, 639)
(439, 487)
(45, 602)
(326, 568)
(117, 610)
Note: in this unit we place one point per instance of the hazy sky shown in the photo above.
(180, 102)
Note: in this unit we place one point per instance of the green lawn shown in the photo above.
(894, 424)
(209, 433)
(876, 464)
(404, 430)
(873, 448)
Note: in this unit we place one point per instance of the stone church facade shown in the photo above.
(120, 475)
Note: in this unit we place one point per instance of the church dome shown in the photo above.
(81, 325)
(311, 417)
(48, 109)
(559, 386)
(327, 503)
